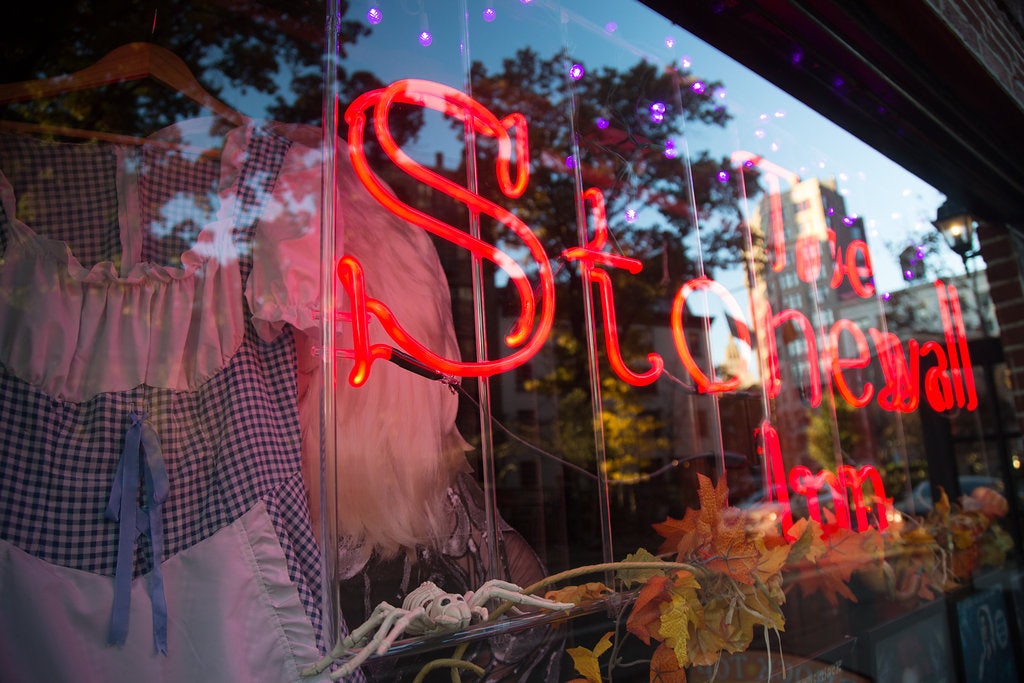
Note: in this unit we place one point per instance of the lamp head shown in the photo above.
(956, 225)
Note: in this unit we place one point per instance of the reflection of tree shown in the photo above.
(266, 55)
(631, 433)
(624, 132)
(906, 463)
(825, 429)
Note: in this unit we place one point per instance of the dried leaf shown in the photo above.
(683, 611)
(941, 507)
(713, 499)
(770, 561)
(848, 550)
(733, 554)
(645, 617)
(824, 580)
(809, 545)
(631, 577)
(585, 660)
(674, 530)
(665, 667)
(687, 536)
(586, 592)
(764, 607)
(706, 647)
(720, 632)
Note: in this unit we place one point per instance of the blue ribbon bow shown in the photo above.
(140, 439)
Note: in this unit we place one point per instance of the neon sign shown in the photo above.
(947, 382)
(528, 333)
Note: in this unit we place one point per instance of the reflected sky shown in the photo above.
(896, 206)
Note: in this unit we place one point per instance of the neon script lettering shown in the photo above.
(948, 381)
(534, 323)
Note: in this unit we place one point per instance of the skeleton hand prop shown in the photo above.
(427, 610)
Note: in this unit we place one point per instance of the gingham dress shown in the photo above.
(229, 441)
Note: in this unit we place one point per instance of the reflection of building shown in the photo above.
(812, 220)
(912, 311)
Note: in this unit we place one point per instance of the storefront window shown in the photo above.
(698, 280)
(584, 298)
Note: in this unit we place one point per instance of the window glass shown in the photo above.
(699, 281)
(582, 291)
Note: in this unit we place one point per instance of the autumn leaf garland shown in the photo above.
(721, 570)
(728, 579)
(693, 615)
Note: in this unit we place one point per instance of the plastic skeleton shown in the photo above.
(427, 610)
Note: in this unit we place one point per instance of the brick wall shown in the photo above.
(991, 31)
(1001, 248)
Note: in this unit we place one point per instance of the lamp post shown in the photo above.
(957, 226)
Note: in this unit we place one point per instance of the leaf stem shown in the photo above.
(451, 663)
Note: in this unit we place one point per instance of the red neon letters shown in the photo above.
(533, 326)
(948, 380)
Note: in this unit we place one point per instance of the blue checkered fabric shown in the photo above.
(67, 193)
(233, 442)
(177, 196)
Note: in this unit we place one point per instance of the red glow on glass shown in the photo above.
(773, 173)
(799, 321)
(853, 480)
(900, 391)
(855, 266)
(938, 385)
(815, 487)
(774, 472)
(840, 363)
(808, 258)
(971, 398)
(533, 324)
(704, 383)
(363, 354)
(778, 227)
(844, 487)
(948, 382)
(592, 255)
(858, 261)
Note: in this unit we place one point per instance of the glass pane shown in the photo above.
(583, 291)
(160, 192)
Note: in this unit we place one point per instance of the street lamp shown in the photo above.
(957, 225)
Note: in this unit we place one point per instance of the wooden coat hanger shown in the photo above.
(130, 62)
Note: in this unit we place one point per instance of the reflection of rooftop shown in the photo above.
(913, 310)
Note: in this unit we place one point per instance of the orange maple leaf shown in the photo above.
(646, 614)
(713, 499)
(812, 579)
(733, 554)
(675, 530)
(665, 666)
(848, 550)
(770, 560)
